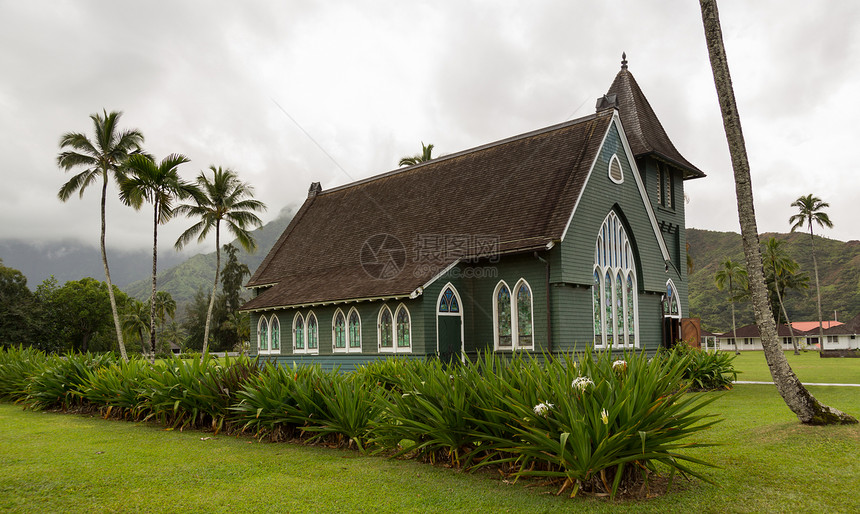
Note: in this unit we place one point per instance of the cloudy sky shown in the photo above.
(291, 92)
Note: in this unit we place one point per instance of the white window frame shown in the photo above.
(515, 326)
(296, 318)
(260, 323)
(379, 346)
(613, 256)
(401, 349)
(335, 349)
(349, 348)
(612, 160)
(515, 315)
(308, 349)
(274, 320)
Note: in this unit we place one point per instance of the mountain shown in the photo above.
(838, 267)
(73, 260)
(183, 280)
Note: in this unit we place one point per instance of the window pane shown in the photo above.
(354, 330)
(385, 329)
(631, 318)
(403, 336)
(607, 305)
(339, 331)
(595, 301)
(524, 316)
(503, 303)
(276, 334)
(313, 332)
(300, 333)
(619, 308)
(263, 341)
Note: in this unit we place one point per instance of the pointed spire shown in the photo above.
(623, 60)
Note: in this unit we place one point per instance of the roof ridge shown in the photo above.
(525, 135)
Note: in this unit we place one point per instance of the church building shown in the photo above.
(570, 237)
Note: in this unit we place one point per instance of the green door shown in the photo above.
(449, 338)
(449, 325)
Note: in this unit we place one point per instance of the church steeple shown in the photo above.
(644, 131)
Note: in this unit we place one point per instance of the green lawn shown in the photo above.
(808, 366)
(72, 463)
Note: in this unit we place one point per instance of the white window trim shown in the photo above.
(260, 322)
(308, 349)
(613, 255)
(401, 349)
(296, 318)
(609, 169)
(349, 348)
(496, 345)
(515, 328)
(393, 347)
(334, 349)
(274, 320)
(515, 315)
(680, 314)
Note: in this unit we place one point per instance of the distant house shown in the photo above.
(749, 338)
(843, 336)
(570, 236)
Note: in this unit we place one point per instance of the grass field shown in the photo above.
(808, 366)
(73, 463)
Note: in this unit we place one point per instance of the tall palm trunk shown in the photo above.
(113, 308)
(214, 288)
(795, 395)
(784, 312)
(817, 292)
(154, 275)
(734, 331)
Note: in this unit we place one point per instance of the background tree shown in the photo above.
(223, 199)
(731, 276)
(424, 156)
(811, 211)
(160, 185)
(795, 395)
(232, 278)
(782, 273)
(164, 307)
(101, 158)
(135, 322)
(16, 303)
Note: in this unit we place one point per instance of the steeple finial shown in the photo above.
(623, 60)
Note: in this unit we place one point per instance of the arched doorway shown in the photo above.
(449, 325)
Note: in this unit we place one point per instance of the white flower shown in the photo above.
(542, 409)
(604, 416)
(619, 365)
(581, 383)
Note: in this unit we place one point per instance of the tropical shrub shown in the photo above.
(17, 365)
(705, 371)
(60, 380)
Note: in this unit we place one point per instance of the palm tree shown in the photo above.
(158, 184)
(731, 275)
(101, 158)
(799, 400)
(424, 156)
(782, 271)
(811, 211)
(165, 306)
(135, 321)
(224, 198)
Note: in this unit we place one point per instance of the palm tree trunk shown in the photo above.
(784, 312)
(734, 331)
(113, 308)
(214, 288)
(795, 395)
(154, 275)
(817, 292)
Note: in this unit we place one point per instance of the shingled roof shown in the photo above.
(370, 239)
(644, 131)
